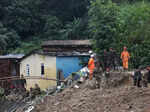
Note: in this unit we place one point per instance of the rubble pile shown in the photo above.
(123, 98)
(19, 100)
(115, 79)
(78, 94)
(11, 103)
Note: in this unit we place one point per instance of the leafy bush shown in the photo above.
(122, 25)
(103, 16)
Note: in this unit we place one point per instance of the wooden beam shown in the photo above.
(29, 77)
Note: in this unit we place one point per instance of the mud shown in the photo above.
(119, 99)
(117, 95)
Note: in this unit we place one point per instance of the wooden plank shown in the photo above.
(29, 77)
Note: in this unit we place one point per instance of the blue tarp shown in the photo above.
(68, 64)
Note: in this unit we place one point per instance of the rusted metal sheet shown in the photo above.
(67, 45)
(4, 68)
(8, 68)
(66, 49)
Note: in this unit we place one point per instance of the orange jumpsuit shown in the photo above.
(91, 66)
(125, 57)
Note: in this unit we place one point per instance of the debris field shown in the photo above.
(120, 99)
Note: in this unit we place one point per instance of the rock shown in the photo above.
(92, 83)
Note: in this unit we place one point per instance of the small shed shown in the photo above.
(9, 66)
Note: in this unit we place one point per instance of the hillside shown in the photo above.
(116, 96)
(121, 99)
(25, 24)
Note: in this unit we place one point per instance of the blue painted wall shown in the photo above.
(68, 64)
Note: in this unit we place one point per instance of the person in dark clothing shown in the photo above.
(148, 68)
(145, 74)
(105, 60)
(137, 78)
(111, 58)
(114, 59)
(23, 82)
(98, 72)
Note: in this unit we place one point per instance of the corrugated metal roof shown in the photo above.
(12, 56)
(66, 42)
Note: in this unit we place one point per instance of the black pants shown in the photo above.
(137, 80)
(149, 77)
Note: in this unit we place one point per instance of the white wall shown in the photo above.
(34, 62)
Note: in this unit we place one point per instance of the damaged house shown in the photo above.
(58, 60)
(69, 53)
(9, 66)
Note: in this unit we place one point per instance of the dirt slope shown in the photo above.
(121, 99)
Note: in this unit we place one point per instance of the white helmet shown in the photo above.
(92, 56)
(90, 52)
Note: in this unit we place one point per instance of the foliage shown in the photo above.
(26, 48)
(103, 16)
(24, 24)
(134, 31)
(75, 30)
(52, 27)
(29, 20)
(8, 39)
(122, 25)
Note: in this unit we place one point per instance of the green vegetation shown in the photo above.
(126, 24)
(24, 24)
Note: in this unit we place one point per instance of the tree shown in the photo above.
(9, 39)
(133, 30)
(124, 25)
(51, 28)
(24, 17)
(102, 23)
(76, 29)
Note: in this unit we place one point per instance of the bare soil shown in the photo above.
(117, 95)
(120, 99)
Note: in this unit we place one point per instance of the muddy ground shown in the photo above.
(120, 99)
(118, 95)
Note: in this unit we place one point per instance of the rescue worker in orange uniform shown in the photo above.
(125, 57)
(91, 66)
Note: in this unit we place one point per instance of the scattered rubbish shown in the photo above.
(112, 99)
(58, 87)
(81, 79)
(84, 71)
(57, 103)
(30, 109)
(106, 99)
(76, 86)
